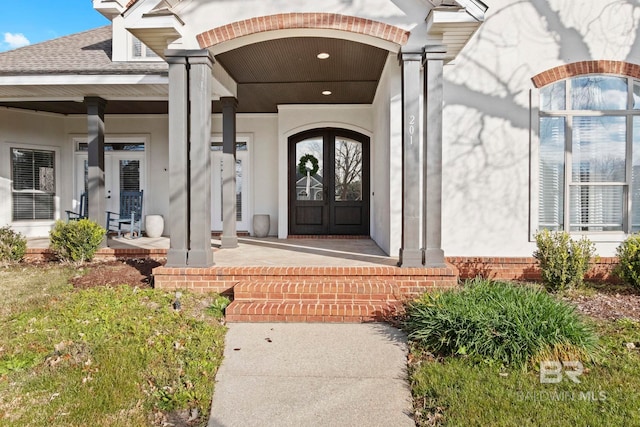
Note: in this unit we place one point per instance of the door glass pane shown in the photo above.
(599, 149)
(238, 190)
(348, 170)
(309, 169)
(551, 173)
(129, 175)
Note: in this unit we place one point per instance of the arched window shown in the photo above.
(589, 154)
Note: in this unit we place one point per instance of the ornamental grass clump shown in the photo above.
(76, 241)
(499, 322)
(628, 268)
(563, 261)
(13, 246)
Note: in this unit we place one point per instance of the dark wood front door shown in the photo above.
(329, 182)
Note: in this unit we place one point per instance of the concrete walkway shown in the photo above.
(292, 374)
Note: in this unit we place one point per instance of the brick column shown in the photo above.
(229, 233)
(95, 138)
(411, 252)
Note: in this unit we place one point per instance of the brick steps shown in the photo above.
(286, 311)
(328, 300)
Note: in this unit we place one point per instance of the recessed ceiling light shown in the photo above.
(323, 55)
(326, 92)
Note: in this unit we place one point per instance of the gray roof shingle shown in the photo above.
(88, 53)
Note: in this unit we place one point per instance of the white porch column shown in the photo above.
(95, 139)
(229, 238)
(190, 81)
(411, 250)
(432, 209)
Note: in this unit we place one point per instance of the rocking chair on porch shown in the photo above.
(83, 210)
(130, 214)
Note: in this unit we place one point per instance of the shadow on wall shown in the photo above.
(487, 111)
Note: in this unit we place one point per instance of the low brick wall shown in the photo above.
(525, 269)
(104, 254)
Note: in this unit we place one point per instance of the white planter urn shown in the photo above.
(154, 225)
(261, 224)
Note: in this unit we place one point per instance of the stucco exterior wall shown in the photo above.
(17, 130)
(203, 15)
(386, 158)
(487, 112)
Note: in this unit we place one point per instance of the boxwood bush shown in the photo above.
(563, 261)
(13, 245)
(499, 322)
(628, 268)
(76, 241)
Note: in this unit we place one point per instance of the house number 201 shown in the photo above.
(412, 128)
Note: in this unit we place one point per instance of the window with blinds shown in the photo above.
(589, 155)
(140, 51)
(33, 184)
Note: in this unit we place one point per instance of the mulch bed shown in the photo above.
(132, 272)
(609, 302)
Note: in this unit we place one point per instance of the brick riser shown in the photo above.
(329, 300)
(287, 311)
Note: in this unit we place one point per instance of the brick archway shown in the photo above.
(586, 67)
(287, 21)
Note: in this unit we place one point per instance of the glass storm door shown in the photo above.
(329, 183)
(242, 178)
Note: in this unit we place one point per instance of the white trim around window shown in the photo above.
(596, 195)
(7, 148)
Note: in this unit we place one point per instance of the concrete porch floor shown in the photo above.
(259, 252)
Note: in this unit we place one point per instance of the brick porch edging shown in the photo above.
(104, 254)
(411, 281)
(499, 268)
(525, 268)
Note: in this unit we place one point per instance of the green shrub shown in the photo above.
(217, 307)
(563, 261)
(76, 241)
(499, 322)
(628, 268)
(13, 245)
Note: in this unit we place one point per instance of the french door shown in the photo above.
(242, 194)
(123, 171)
(329, 183)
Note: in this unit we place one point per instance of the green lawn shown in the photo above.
(455, 391)
(104, 356)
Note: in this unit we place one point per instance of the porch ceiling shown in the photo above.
(268, 74)
(288, 71)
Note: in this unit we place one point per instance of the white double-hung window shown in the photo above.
(589, 155)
